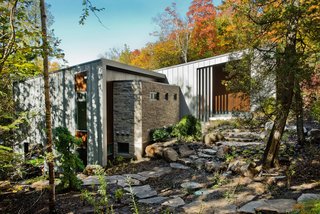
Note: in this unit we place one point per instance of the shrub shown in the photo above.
(70, 162)
(315, 110)
(161, 134)
(10, 163)
(309, 207)
(188, 129)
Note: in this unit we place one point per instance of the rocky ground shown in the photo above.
(221, 175)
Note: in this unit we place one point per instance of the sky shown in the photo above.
(124, 22)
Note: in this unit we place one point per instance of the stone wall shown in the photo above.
(158, 113)
(124, 99)
(135, 113)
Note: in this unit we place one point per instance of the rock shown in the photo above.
(203, 192)
(308, 196)
(92, 170)
(257, 187)
(4, 185)
(268, 125)
(154, 150)
(203, 155)
(153, 200)
(185, 151)
(227, 174)
(235, 165)
(314, 135)
(277, 206)
(128, 182)
(157, 172)
(193, 157)
(92, 180)
(199, 163)
(222, 151)
(191, 185)
(251, 206)
(175, 202)
(264, 134)
(211, 138)
(178, 166)
(194, 207)
(142, 191)
(136, 176)
(208, 151)
(212, 166)
(185, 161)
(170, 155)
(305, 186)
(113, 179)
(230, 209)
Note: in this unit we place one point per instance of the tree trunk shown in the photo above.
(286, 68)
(45, 53)
(299, 113)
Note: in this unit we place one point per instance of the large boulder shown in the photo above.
(314, 135)
(170, 155)
(222, 151)
(185, 151)
(154, 150)
(211, 138)
(92, 169)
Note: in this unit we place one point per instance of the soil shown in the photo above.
(304, 170)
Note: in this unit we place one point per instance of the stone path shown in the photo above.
(243, 203)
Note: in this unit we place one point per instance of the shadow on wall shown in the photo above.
(94, 153)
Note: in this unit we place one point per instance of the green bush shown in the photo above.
(315, 110)
(10, 163)
(161, 134)
(70, 162)
(309, 207)
(188, 129)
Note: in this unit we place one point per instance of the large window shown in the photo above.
(81, 100)
(81, 111)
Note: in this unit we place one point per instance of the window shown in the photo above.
(154, 95)
(81, 111)
(166, 96)
(175, 96)
(123, 148)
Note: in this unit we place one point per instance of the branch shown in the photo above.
(8, 49)
(88, 7)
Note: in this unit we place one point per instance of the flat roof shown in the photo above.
(236, 54)
(111, 65)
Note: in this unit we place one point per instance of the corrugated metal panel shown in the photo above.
(185, 76)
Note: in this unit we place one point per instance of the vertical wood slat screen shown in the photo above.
(205, 91)
(213, 98)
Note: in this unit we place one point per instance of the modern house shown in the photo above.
(203, 93)
(111, 106)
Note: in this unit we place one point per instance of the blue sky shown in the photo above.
(127, 21)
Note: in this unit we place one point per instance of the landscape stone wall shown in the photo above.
(135, 114)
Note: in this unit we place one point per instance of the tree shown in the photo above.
(283, 35)
(174, 28)
(202, 19)
(45, 56)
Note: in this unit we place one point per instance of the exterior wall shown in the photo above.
(29, 96)
(158, 113)
(110, 75)
(135, 114)
(125, 109)
(185, 76)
